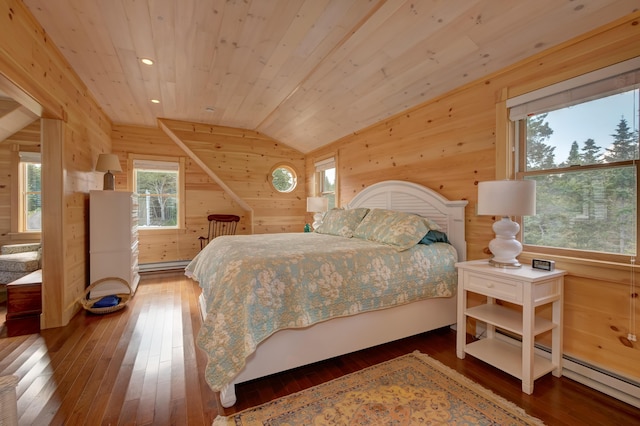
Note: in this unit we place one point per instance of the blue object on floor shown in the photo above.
(107, 301)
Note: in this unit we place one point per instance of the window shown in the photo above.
(284, 179)
(580, 145)
(326, 178)
(30, 203)
(158, 185)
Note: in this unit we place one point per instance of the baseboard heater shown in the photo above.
(163, 266)
(609, 383)
(614, 385)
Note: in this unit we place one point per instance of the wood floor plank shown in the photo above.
(78, 376)
(13, 349)
(141, 365)
(117, 381)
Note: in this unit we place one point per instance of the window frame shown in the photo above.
(24, 158)
(290, 169)
(321, 167)
(511, 156)
(180, 187)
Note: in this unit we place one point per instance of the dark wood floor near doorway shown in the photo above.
(141, 366)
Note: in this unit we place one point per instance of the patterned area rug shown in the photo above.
(412, 389)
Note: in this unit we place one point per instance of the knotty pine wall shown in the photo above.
(241, 159)
(450, 144)
(203, 196)
(74, 132)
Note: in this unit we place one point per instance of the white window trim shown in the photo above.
(321, 166)
(327, 163)
(579, 89)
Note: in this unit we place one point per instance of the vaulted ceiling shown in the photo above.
(305, 72)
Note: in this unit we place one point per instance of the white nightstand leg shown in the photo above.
(528, 318)
(461, 338)
(556, 337)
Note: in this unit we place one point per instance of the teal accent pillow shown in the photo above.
(341, 222)
(397, 229)
(434, 237)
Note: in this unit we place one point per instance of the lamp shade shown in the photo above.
(507, 198)
(317, 204)
(108, 162)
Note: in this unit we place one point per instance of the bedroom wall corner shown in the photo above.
(240, 160)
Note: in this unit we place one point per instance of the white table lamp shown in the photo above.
(506, 198)
(108, 163)
(317, 205)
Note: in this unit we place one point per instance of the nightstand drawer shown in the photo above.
(508, 290)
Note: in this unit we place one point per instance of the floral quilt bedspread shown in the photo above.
(255, 285)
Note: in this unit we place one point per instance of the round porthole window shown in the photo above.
(284, 179)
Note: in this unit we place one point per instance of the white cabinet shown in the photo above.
(113, 247)
(526, 287)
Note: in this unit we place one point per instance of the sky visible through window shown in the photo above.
(598, 121)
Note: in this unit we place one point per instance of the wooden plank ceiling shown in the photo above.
(305, 72)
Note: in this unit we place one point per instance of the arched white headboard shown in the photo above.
(413, 198)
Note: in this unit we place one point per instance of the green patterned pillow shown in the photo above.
(431, 224)
(341, 222)
(397, 229)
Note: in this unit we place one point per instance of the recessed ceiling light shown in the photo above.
(155, 101)
(147, 61)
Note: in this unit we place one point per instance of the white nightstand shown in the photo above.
(526, 287)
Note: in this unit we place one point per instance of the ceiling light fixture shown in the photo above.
(146, 61)
(209, 109)
(155, 101)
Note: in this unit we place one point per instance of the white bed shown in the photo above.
(292, 348)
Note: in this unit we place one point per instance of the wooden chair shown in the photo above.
(219, 224)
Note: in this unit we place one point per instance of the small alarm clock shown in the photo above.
(544, 265)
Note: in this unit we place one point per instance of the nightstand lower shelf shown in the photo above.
(507, 319)
(507, 357)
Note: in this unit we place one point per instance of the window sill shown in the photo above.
(25, 236)
(586, 268)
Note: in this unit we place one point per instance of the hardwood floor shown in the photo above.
(141, 366)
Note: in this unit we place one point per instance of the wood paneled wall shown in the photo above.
(243, 160)
(449, 144)
(203, 196)
(240, 159)
(42, 76)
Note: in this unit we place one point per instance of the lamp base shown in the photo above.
(317, 220)
(504, 247)
(508, 265)
(109, 182)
